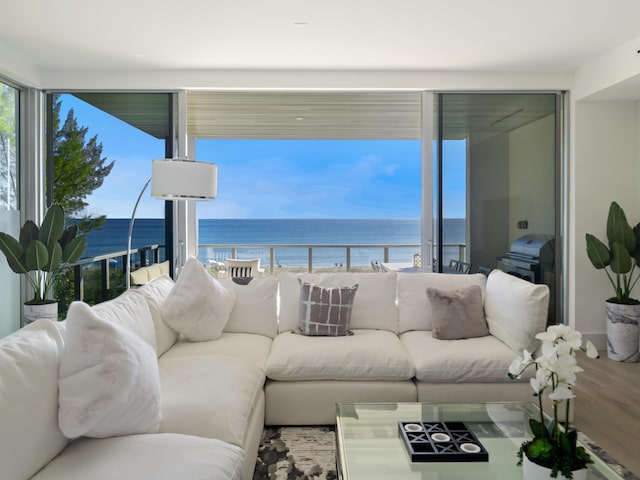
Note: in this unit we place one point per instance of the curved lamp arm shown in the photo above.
(133, 216)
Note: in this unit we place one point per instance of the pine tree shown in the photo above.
(78, 167)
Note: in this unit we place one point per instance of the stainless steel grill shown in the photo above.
(530, 257)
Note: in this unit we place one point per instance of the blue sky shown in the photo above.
(275, 178)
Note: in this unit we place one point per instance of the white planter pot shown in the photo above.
(623, 339)
(533, 471)
(47, 311)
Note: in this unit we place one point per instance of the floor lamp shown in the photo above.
(175, 179)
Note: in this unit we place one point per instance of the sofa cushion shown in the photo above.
(365, 355)
(516, 310)
(198, 306)
(156, 292)
(138, 457)
(457, 314)
(325, 311)
(131, 311)
(29, 399)
(475, 360)
(374, 306)
(209, 396)
(108, 379)
(144, 275)
(244, 347)
(256, 307)
(414, 309)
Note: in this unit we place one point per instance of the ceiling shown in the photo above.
(432, 35)
(158, 37)
(324, 115)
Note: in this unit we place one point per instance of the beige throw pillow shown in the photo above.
(458, 313)
(325, 310)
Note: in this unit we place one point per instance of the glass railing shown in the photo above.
(99, 278)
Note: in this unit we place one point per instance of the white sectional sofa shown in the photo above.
(216, 395)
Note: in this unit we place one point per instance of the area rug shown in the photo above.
(297, 453)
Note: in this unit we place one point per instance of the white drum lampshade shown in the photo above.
(184, 180)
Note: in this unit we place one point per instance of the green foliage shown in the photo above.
(621, 257)
(8, 144)
(78, 167)
(43, 250)
(554, 448)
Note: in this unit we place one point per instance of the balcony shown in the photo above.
(99, 278)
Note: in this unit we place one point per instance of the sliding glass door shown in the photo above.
(495, 185)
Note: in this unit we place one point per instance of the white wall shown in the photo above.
(604, 168)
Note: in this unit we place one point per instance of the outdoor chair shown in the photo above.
(457, 266)
(235, 267)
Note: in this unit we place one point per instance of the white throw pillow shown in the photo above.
(108, 383)
(131, 311)
(374, 307)
(516, 310)
(155, 292)
(256, 308)
(414, 308)
(199, 306)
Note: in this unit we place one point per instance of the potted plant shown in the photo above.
(41, 253)
(553, 448)
(619, 260)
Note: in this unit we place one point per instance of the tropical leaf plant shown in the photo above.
(619, 257)
(43, 252)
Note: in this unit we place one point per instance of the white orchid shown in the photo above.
(561, 393)
(556, 369)
(556, 366)
(520, 364)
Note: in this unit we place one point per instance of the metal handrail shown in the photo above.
(148, 254)
(348, 248)
(272, 248)
(151, 254)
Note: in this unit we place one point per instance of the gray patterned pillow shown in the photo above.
(325, 310)
(458, 313)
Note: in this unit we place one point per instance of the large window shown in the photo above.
(9, 204)
(100, 150)
(313, 193)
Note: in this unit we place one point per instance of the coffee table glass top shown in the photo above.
(370, 447)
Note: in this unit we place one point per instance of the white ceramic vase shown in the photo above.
(533, 471)
(47, 311)
(623, 333)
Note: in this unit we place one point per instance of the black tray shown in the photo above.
(441, 442)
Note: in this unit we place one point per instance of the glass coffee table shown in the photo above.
(370, 445)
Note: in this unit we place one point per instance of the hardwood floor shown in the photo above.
(607, 407)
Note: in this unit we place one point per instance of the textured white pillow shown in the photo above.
(108, 380)
(131, 311)
(199, 306)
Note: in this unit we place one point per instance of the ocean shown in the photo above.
(112, 237)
